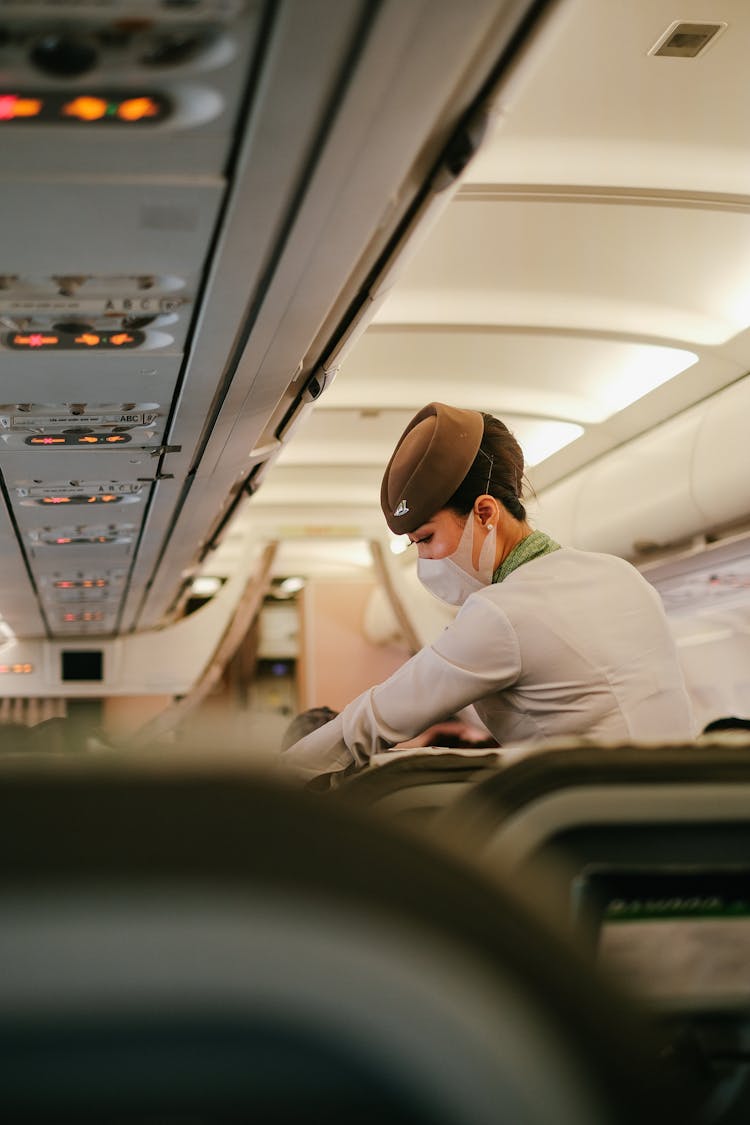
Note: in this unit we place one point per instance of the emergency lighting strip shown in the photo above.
(112, 107)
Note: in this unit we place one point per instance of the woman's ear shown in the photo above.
(487, 510)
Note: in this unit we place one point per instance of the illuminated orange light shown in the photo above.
(120, 338)
(28, 107)
(85, 108)
(135, 109)
(107, 499)
(12, 106)
(115, 437)
(28, 668)
(101, 582)
(35, 340)
(69, 617)
(56, 500)
(65, 585)
(48, 441)
(63, 541)
(89, 439)
(89, 338)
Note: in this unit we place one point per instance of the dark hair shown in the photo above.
(731, 722)
(497, 469)
(305, 723)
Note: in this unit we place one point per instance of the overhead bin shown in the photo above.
(372, 132)
(681, 479)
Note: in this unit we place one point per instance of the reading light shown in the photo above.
(291, 585)
(205, 586)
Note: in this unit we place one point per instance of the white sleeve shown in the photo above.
(476, 655)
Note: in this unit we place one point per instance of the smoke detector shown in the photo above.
(687, 40)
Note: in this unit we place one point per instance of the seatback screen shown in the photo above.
(675, 936)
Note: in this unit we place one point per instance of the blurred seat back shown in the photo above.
(217, 947)
(412, 786)
(644, 854)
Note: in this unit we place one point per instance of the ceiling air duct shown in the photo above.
(686, 40)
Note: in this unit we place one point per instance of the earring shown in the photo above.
(489, 527)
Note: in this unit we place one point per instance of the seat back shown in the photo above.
(412, 786)
(217, 946)
(644, 853)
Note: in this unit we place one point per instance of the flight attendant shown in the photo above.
(549, 641)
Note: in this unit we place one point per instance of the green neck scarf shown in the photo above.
(532, 547)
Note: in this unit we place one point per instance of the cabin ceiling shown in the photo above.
(587, 281)
(230, 278)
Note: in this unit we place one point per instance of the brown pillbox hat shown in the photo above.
(432, 457)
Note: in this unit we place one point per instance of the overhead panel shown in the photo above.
(121, 87)
(117, 123)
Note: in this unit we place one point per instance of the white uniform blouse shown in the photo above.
(570, 643)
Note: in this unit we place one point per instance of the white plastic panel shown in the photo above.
(720, 471)
(686, 476)
(88, 377)
(556, 509)
(641, 492)
(666, 272)
(593, 107)
(153, 225)
(363, 441)
(563, 376)
(23, 469)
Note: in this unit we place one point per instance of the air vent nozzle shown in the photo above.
(686, 40)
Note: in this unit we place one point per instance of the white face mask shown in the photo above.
(453, 578)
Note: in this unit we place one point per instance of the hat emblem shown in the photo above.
(402, 509)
